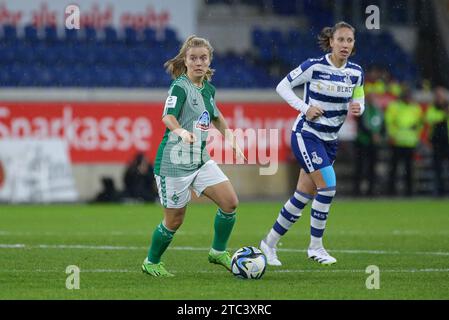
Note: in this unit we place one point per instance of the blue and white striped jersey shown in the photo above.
(329, 88)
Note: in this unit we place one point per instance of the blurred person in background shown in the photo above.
(109, 192)
(370, 128)
(333, 88)
(437, 116)
(404, 123)
(139, 180)
(374, 81)
(183, 162)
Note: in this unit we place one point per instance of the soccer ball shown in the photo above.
(248, 263)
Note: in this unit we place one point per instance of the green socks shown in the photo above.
(159, 243)
(224, 222)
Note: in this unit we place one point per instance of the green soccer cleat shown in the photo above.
(155, 269)
(223, 258)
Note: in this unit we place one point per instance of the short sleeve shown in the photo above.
(215, 112)
(175, 101)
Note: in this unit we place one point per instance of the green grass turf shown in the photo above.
(407, 240)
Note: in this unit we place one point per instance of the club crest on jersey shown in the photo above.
(203, 122)
(316, 159)
(348, 80)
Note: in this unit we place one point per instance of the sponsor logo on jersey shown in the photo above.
(344, 89)
(170, 102)
(316, 159)
(324, 76)
(295, 73)
(203, 122)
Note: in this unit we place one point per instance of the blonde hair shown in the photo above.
(327, 34)
(176, 66)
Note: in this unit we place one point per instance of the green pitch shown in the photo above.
(407, 240)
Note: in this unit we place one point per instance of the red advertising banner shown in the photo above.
(112, 132)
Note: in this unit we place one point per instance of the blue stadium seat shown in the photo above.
(170, 38)
(110, 35)
(149, 36)
(90, 34)
(72, 36)
(130, 36)
(80, 59)
(9, 33)
(50, 34)
(285, 7)
(31, 34)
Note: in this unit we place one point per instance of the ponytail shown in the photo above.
(325, 36)
(324, 39)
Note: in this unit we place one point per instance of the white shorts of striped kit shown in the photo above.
(175, 192)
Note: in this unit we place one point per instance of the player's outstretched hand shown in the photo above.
(238, 153)
(355, 109)
(314, 113)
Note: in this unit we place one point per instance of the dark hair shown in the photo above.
(328, 32)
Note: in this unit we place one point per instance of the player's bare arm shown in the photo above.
(174, 126)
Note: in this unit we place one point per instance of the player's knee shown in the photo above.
(306, 187)
(230, 205)
(174, 225)
(174, 222)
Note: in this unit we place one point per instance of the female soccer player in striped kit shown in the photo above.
(333, 88)
(183, 162)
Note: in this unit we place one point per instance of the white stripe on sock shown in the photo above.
(317, 224)
(284, 222)
(290, 207)
(321, 207)
(315, 242)
(328, 193)
(272, 238)
(301, 198)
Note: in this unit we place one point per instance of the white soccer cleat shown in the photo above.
(320, 255)
(270, 254)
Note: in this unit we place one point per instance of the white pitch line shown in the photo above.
(324, 270)
(206, 233)
(11, 246)
(187, 248)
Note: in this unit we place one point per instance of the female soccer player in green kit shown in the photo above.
(183, 162)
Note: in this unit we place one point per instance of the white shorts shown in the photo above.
(174, 192)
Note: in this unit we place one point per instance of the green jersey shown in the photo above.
(194, 108)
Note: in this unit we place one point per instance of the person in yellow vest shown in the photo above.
(404, 123)
(437, 116)
(394, 88)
